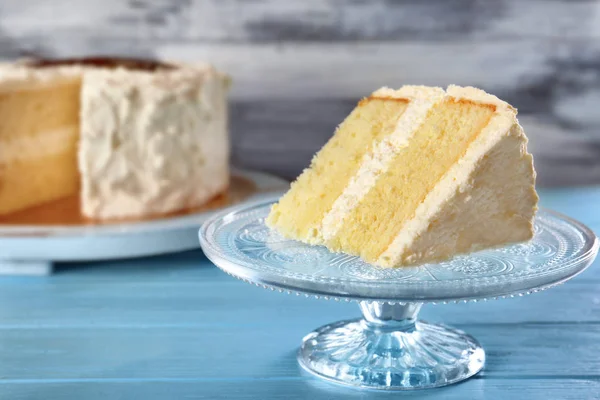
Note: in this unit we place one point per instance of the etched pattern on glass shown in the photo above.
(240, 243)
(424, 355)
(254, 243)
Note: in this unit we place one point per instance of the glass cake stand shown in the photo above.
(389, 348)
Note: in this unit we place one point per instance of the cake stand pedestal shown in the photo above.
(389, 347)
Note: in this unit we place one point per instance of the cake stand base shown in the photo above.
(389, 349)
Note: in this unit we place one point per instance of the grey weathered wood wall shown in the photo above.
(299, 66)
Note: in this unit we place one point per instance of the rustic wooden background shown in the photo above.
(299, 66)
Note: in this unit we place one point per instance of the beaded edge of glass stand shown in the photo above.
(390, 302)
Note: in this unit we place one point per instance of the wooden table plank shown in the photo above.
(291, 389)
(264, 351)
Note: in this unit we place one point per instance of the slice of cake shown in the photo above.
(133, 138)
(416, 175)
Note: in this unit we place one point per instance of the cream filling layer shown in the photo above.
(457, 178)
(43, 144)
(377, 162)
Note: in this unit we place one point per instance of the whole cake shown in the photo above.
(133, 138)
(416, 175)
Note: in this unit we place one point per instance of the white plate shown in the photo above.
(31, 249)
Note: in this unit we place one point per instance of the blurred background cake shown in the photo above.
(132, 138)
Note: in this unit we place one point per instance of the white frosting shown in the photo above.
(408, 92)
(19, 76)
(456, 177)
(458, 180)
(421, 101)
(478, 96)
(152, 142)
(495, 207)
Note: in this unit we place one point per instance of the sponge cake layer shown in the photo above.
(315, 191)
(38, 143)
(442, 139)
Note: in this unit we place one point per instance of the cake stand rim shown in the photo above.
(236, 270)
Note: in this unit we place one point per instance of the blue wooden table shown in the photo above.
(176, 327)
